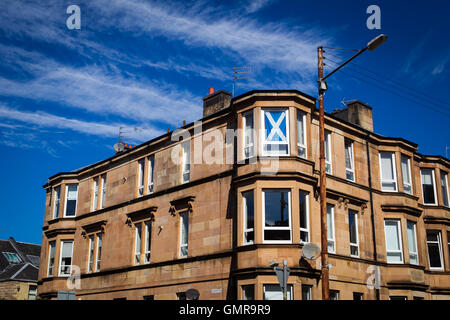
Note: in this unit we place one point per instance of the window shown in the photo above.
(95, 198)
(357, 296)
(353, 231)
(349, 161)
(102, 203)
(428, 190)
(137, 249)
(57, 200)
(406, 174)
(35, 260)
(330, 229)
(249, 211)
(65, 264)
(249, 138)
(273, 292)
(334, 295)
(306, 292)
(276, 215)
(51, 258)
(434, 245)
(148, 239)
(412, 242)
(184, 231)
(12, 257)
(248, 292)
(71, 200)
(394, 250)
(276, 132)
(98, 257)
(301, 134)
(304, 216)
(151, 173)
(91, 253)
(328, 167)
(401, 298)
(388, 175)
(444, 188)
(186, 166)
(141, 164)
(32, 292)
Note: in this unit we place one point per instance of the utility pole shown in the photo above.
(323, 190)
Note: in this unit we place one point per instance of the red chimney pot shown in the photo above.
(211, 90)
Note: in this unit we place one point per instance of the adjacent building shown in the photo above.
(211, 205)
(19, 268)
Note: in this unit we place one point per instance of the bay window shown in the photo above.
(277, 215)
(71, 200)
(388, 173)
(57, 199)
(412, 242)
(428, 189)
(249, 214)
(51, 258)
(275, 125)
(301, 134)
(393, 236)
(349, 161)
(249, 138)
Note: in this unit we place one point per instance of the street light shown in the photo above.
(322, 86)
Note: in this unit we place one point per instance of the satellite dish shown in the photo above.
(192, 294)
(311, 251)
(119, 147)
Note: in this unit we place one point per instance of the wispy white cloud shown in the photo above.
(256, 5)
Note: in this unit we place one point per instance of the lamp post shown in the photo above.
(372, 45)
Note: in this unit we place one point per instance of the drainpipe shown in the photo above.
(372, 214)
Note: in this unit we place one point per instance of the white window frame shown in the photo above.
(95, 193)
(103, 197)
(305, 230)
(332, 240)
(245, 228)
(56, 201)
(66, 198)
(263, 133)
(290, 290)
(61, 257)
(91, 253)
(250, 146)
(329, 161)
(434, 187)
(303, 146)
(394, 169)
(352, 160)
(49, 258)
(184, 245)
(447, 196)
(148, 238)
(98, 247)
(186, 161)
(441, 253)
(151, 173)
(400, 240)
(406, 184)
(264, 228)
(355, 213)
(141, 174)
(414, 253)
(137, 248)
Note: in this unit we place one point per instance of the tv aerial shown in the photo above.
(311, 251)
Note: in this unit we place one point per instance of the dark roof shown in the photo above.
(28, 267)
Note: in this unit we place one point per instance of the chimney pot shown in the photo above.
(211, 90)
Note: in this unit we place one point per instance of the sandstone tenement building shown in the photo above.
(139, 225)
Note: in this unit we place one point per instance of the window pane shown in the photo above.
(137, 250)
(392, 235)
(248, 216)
(427, 186)
(99, 251)
(406, 176)
(306, 292)
(273, 292)
(275, 126)
(387, 167)
(277, 235)
(303, 210)
(71, 202)
(276, 209)
(434, 248)
(411, 236)
(444, 188)
(91, 253)
(330, 226)
(248, 135)
(352, 226)
(248, 292)
(348, 155)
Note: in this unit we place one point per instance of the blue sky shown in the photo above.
(65, 93)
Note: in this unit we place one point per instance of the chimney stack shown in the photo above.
(215, 101)
(357, 113)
